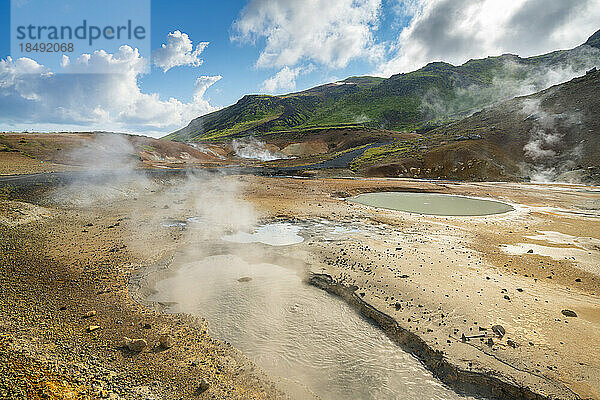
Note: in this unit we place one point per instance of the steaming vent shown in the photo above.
(254, 149)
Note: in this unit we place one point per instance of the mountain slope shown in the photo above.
(550, 135)
(419, 100)
(263, 113)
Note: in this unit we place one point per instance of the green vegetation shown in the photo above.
(408, 148)
(420, 100)
(238, 127)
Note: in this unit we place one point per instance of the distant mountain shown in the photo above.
(419, 100)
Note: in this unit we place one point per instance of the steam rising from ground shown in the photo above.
(254, 149)
(205, 150)
(217, 204)
(545, 143)
(108, 171)
(511, 79)
(361, 119)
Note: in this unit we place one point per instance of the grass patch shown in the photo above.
(237, 128)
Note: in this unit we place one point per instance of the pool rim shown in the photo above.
(514, 207)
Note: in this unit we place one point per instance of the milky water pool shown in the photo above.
(432, 203)
(297, 332)
(276, 234)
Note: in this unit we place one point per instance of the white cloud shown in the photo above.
(33, 97)
(458, 30)
(285, 79)
(203, 83)
(330, 32)
(179, 50)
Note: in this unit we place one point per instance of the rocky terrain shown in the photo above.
(448, 289)
(462, 122)
(554, 132)
(75, 324)
(46, 152)
(504, 306)
(70, 329)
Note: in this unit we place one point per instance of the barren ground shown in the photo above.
(439, 277)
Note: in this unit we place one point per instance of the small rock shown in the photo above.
(569, 313)
(244, 279)
(166, 341)
(530, 251)
(499, 330)
(511, 344)
(203, 386)
(578, 280)
(92, 328)
(136, 345)
(89, 314)
(490, 342)
(147, 326)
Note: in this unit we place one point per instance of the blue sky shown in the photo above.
(211, 22)
(265, 46)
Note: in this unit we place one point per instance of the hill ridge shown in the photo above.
(420, 100)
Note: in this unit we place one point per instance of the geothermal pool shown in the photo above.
(297, 332)
(277, 234)
(432, 203)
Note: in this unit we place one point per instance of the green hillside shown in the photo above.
(420, 100)
(493, 144)
(262, 113)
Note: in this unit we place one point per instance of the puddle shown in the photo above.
(196, 220)
(584, 251)
(584, 243)
(277, 234)
(173, 223)
(296, 331)
(432, 203)
(556, 253)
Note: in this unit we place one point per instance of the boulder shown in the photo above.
(499, 330)
(203, 386)
(136, 345)
(166, 341)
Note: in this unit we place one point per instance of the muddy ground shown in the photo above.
(441, 278)
(64, 257)
(444, 277)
